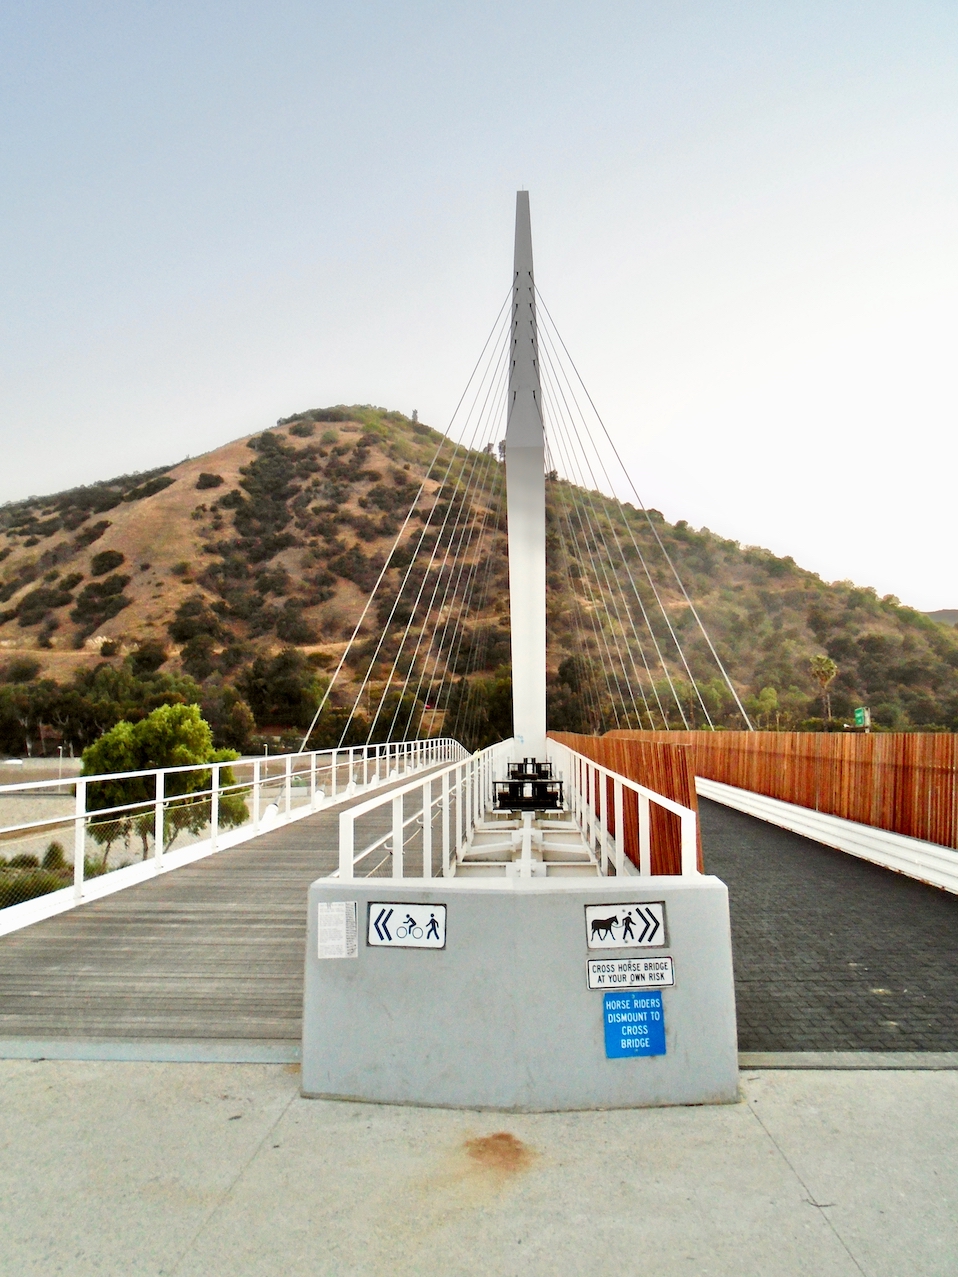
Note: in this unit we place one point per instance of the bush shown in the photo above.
(302, 429)
(209, 481)
(100, 600)
(105, 562)
(15, 888)
(34, 605)
(23, 861)
(148, 657)
(109, 647)
(91, 534)
(54, 857)
(149, 489)
(22, 669)
(194, 617)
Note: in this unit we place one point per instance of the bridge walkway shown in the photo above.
(210, 953)
(831, 953)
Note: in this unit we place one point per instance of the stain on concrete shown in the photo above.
(501, 1151)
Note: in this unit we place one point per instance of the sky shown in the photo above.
(744, 218)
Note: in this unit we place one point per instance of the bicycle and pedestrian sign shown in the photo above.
(397, 924)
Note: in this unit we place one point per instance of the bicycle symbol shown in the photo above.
(410, 927)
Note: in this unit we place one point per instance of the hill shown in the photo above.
(236, 578)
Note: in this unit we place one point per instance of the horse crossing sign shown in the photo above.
(638, 925)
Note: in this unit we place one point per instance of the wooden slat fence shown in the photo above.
(663, 766)
(906, 782)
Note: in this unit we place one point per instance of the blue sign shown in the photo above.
(634, 1024)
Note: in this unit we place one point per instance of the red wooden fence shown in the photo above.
(906, 782)
(663, 766)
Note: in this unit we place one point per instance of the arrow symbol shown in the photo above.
(647, 921)
(655, 928)
(380, 924)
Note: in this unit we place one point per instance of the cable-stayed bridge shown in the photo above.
(511, 845)
(440, 597)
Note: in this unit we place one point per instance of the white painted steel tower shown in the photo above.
(526, 504)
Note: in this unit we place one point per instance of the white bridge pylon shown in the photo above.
(526, 504)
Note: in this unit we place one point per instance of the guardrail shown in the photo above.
(925, 861)
(58, 854)
(457, 796)
(428, 834)
(596, 797)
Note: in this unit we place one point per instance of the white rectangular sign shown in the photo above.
(630, 926)
(631, 973)
(338, 929)
(397, 924)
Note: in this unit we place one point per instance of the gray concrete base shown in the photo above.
(502, 1017)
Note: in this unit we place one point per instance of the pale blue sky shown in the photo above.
(744, 218)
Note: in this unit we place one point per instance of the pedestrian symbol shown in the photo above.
(400, 925)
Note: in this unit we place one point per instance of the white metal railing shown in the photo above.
(586, 788)
(205, 808)
(456, 797)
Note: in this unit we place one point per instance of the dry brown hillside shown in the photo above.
(160, 534)
(237, 577)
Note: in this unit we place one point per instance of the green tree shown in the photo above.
(171, 736)
(764, 707)
(824, 670)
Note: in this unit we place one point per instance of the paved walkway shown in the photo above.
(212, 952)
(832, 953)
(211, 1170)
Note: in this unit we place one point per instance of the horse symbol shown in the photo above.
(602, 928)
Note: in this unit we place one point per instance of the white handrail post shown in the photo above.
(288, 785)
(460, 787)
(158, 820)
(427, 829)
(397, 838)
(467, 813)
(645, 837)
(79, 838)
(312, 780)
(619, 809)
(256, 795)
(214, 806)
(365, 767)
(346, 841)
(333, 784)
(589, 822)
(352, 774)
(689, 845)
(445, 824)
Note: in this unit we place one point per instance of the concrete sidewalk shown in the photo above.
(203, 1170)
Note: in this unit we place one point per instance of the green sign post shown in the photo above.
(863, 717)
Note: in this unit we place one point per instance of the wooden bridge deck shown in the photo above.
(210, 952)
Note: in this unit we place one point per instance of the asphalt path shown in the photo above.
(831, 953)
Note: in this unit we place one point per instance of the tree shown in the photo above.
(824, 670)
(764, 707)
(148, 657)
(283, 690)
(171, 736)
